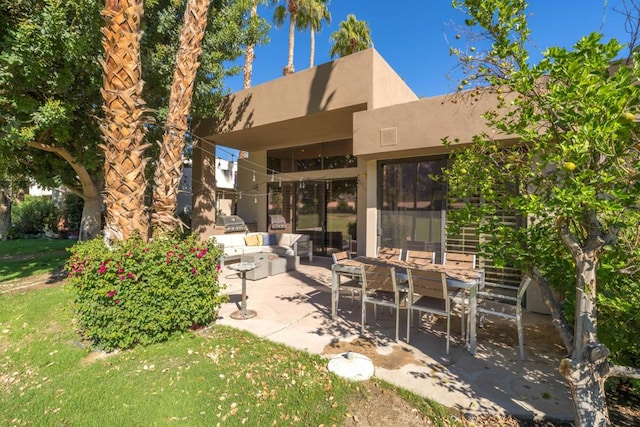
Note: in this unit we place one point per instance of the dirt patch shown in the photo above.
(56, 277)
(26, 257)
(397, 358)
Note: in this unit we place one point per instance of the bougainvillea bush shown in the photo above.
(143, 293)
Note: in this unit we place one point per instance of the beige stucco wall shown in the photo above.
(417, 128)
(309, 106)
(387, 87)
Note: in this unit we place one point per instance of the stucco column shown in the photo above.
(371, 226)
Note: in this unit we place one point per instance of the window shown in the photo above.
(412, 202)
(326, 155)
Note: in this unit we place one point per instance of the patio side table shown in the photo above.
(242, 268)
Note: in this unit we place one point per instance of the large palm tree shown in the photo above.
(169, 169)
(279, 18)
(122, 128)
(250, 52)
(353, 36)
(311, 15)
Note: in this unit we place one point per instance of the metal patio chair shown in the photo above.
(379, 287)
(428, 294)
(494, 301)
(354, 283)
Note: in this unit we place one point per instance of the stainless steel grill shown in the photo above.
(277, 222)
(231, 223)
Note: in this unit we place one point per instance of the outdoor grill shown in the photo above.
(231, 223)
(277, 222)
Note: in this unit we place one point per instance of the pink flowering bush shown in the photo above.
(143, 293)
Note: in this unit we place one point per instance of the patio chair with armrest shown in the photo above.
(466, 261)
(353, 283)
(379, 287)
(428, 294)
(421, 258)
(459, 260)
(390, 254)
(494, 301)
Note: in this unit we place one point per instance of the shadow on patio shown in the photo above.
(294, 308)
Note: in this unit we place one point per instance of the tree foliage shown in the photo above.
(50, 79)
(571, 176)
(353, 36)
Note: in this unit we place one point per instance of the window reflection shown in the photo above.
(412, 202)
(326, 155)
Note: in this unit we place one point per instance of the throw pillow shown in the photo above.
(252, 240)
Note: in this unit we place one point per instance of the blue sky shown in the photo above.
(414, 36)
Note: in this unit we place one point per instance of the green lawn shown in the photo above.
(27, 257)
(224, 376)
(220, 376)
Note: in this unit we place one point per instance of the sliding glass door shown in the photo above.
(412, 204)
(324, 210)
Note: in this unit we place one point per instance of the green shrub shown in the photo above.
(143, 293)
(72, 211)
(34, 215)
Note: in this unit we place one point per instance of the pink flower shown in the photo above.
(194, 271)
(121, 278)
(218, 267)
(202, 253)
(103, 268)
(120, 270)
(117, 301)
(130, 275)
(111, 294)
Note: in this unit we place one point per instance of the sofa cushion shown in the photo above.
(233, 250)
(252, 249)
(269, 239)
(281, 250)
(253, 240)
(284, 239)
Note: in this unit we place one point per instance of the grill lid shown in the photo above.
(277, 222)
(231, 223)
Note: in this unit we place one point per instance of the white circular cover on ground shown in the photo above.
(352, 366)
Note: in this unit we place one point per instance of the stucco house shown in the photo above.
(346, 152)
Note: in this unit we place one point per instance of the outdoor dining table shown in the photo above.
(457, 278)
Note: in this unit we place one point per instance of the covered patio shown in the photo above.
(294, 308)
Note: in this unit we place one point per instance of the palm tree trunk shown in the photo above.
(293, 12)
(313, 48)
(250, 53)
(169, 169)
(123, 130)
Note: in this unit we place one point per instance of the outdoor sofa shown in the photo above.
(283, 244)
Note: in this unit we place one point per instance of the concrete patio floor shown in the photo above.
(294, 308)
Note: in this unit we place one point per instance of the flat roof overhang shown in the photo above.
(416, 129)
(319, 127)
(310, 106)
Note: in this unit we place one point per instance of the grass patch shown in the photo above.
(28, 257)
(221, 376)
